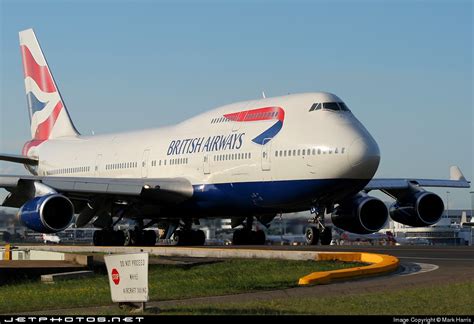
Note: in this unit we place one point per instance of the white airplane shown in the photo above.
(345, 236)
(246, 160)
(51, 238)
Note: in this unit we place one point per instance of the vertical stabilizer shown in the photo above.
(48, 115)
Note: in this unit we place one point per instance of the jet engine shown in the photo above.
(361, 214)
(418, 208)
(47, 214)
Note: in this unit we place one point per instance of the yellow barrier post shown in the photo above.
(8, 252)
(378, 263)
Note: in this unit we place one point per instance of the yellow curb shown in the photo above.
(379, 263)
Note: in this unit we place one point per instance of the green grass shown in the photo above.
(447, 299)
(165, 282)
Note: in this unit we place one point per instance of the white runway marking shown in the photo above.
(410, 269)
(447, 259)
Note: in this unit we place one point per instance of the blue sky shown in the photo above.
(403, 67)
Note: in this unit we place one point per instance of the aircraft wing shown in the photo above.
(457, 180)
(18, 159)
(164, 190)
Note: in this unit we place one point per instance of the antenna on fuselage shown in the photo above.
(263, 95)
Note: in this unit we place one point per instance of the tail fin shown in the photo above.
(48, 115)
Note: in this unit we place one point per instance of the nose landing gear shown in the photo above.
(317, 231)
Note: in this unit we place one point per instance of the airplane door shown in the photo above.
(98, 162)
(206, 164)
(146, 155)
(266, 151)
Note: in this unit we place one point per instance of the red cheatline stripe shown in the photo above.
(44, 129)
(266, 113)
(37, 72)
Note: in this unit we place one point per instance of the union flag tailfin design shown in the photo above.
(48, 115)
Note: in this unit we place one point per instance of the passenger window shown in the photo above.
(299, 152)
(294, 152)
(289, 152)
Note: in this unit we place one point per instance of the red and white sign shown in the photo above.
(115, 276)
(128, 277)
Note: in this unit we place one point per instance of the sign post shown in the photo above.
(128, 277)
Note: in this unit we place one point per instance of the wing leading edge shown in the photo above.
(457, 180)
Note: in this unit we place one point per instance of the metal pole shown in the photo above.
(472, 206)
(447, 204)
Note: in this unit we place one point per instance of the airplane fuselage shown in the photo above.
(271, 155)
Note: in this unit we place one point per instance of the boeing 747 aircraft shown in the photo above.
(247, 161)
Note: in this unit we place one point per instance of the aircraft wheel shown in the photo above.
(238, 237)
(149, 238)
(311, 235)
(199, 238)
(118, 238)
(326, 236)
(259, 237)
(182, 238)
(98, 238)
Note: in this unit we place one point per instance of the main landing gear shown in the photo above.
(317, 231)
(136, 237)
(189, 237)
(247, 236)
(186, 236)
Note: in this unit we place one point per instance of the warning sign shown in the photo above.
(128, 277)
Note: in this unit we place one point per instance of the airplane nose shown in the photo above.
(364, 156)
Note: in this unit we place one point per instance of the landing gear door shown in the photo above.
(266, 153)
(145, 157)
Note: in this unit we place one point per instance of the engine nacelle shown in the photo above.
(362, 215)
(47, 214)
(418, 209)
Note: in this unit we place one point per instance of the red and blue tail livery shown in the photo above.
(48, 115)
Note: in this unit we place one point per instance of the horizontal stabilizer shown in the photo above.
(18, 159)
(456, 174)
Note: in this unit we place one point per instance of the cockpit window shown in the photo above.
(331, 106)
(335, 106)
(315, 106)
(343, 106)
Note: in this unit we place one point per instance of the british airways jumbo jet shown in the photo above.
(247, 161)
